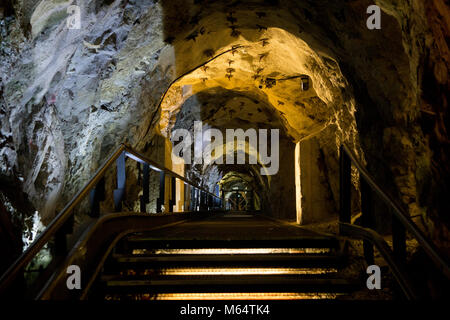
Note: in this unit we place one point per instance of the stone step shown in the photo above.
(229, 284)
(140, 242)
(122, 261)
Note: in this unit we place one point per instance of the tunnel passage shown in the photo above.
(137, 71)
(238, 192)
(127, 73)
(223, 110)
(261, 84)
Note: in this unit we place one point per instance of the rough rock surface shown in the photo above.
(68, 97)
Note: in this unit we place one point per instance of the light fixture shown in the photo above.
(237, 271)
(231, 296)
(233, 251)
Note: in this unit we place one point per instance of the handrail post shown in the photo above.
(96, 195)
(145, 198)
(222, 200)
(173, 194)
(398, 239)
(162, 189)
(202, 201)
(121, 180)
(191, 198)
(367, 218)
(60, 248)
(197, 199)
(187, 199)
(345, 187)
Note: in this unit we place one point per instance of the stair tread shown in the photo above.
(225, 257)
(231, 285)
(218, 280)
(240, 295)
(310, 242)
(229, 277)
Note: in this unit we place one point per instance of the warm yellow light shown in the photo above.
(245, 296)
(239, 271)
(233, 251)
(234, 296)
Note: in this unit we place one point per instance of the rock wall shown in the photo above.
(69, 96)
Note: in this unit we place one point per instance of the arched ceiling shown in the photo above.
(124, 76)
(247, 76)
(242, 181)
(266, 66)
(221, 108)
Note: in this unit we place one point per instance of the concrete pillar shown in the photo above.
(314, 201)
(179, 206)
(298, 186)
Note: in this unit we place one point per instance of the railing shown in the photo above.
(56, 232)
(401, 223)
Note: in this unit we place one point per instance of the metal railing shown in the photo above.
(199, 199)
(401, 223)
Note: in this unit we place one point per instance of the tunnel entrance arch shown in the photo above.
(291, 74)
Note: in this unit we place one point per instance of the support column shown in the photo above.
(314, 200)
(298, 188)
(180, 196)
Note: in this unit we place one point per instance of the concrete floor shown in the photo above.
(233, 226)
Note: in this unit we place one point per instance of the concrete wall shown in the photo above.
(316, 201)
(282, 185)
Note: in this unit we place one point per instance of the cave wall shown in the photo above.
(425, 29)
(69, 96)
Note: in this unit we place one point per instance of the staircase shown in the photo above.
(144, 268)
(211, 257)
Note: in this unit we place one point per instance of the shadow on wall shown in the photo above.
(378, 71)
(16, 221)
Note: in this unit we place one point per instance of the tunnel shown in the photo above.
(263, 149)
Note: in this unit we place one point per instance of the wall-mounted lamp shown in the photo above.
(305, 83)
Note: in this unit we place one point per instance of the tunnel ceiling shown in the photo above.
(222, 108)
(233, 178)
(261, 55)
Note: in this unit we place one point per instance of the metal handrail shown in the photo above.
(401, 215)
(58, 222)
(398, 270)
